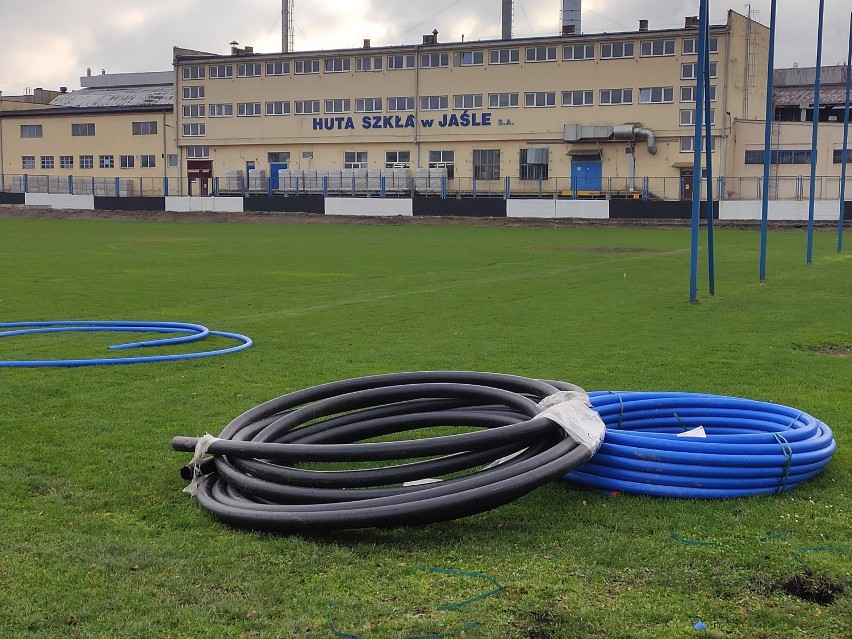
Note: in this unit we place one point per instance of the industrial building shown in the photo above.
(573, 115)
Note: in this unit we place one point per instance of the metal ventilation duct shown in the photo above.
(571, 10)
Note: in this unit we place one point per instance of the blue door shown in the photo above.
(274, 167)
(586, 175)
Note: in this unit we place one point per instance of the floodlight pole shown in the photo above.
(708, 142)
(810, 250)
(767, 142)
(844, 153)
(696, 155)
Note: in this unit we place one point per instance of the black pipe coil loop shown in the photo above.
(256, 479)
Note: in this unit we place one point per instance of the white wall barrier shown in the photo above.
(779, 210)
(369, 206)
(204, 204)
(60, 201)
(584, 209)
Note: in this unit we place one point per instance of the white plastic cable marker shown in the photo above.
(200, 451)
(574, 413)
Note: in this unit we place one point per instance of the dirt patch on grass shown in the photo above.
(812, 586)
(833, 351)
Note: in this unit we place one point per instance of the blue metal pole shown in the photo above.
(696, 154)
(810, 251)
(844, 153)
(708, 143)
(767, 142)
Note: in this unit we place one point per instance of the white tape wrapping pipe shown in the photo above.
(573, 412)
(200, 451)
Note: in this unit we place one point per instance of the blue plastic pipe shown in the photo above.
(747, 447)
(194, 332)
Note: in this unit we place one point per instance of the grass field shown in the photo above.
(97, 539)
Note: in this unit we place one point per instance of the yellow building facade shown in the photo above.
(594, 112)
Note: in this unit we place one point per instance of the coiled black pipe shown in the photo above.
(251, 481)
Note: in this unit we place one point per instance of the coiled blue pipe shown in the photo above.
(750, 448)
(195, 332)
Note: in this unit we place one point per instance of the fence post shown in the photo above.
(216, 186)
(540, 185)
(382, 186)
(506, 187)
(443, 187)
(165, 186)
(353, 185)
(474, 187)
(269, 186)
(324, 186)
(117, 188)
(26, 183)
(70, 185)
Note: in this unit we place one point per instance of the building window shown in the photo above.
(31, 131)
(656, 95)
(502, 100)
(221, 110)
(193, 111)
(354, 159)
(486, 164)
(221, 71)
(578, 52)
(172, 159)
(82, 130)
(656, 48)
(305, 67)
(504, 56)
(397, 159)
(689, 70)
(337, 65)
(434, 102)
(278, 157)
(540, 99)
(307, 107)
(148, 161)
(434, 60)
(340, 105)
(838, 156)
(248, 109)
(540, 54)
(368, 105)
(28, 162)
(616, 96)
(193, 93)
(578, 98)
(278, 107)
(614, 50)
(443, 160)
(145, 128)
(690, 46)
(126, 161)
(780, 156)
(47, 162)
(87, 161)
(106, 162)
(467, 101)
(193, 73)
(66, 161)
(248, 70)
(194, 130)
(400, 62)
(197, 152)
(687, 117)
(534, 164)
(687, 94)
(401, 104)
(470, 58)
(278, 68)
(369, 63)
(688, 144)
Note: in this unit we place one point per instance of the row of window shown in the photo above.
(649, 95)
(792, 156)
(87, 129)
(88, 161)
(435, 60)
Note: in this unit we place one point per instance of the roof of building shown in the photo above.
(795, 86)
(113, 97)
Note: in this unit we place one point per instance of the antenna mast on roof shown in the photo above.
(286, 26)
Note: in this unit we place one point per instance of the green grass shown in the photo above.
(97, 539)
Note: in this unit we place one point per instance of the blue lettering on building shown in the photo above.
(371, 122)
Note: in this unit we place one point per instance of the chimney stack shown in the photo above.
(643, 25)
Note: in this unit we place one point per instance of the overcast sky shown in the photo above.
(50, 43)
